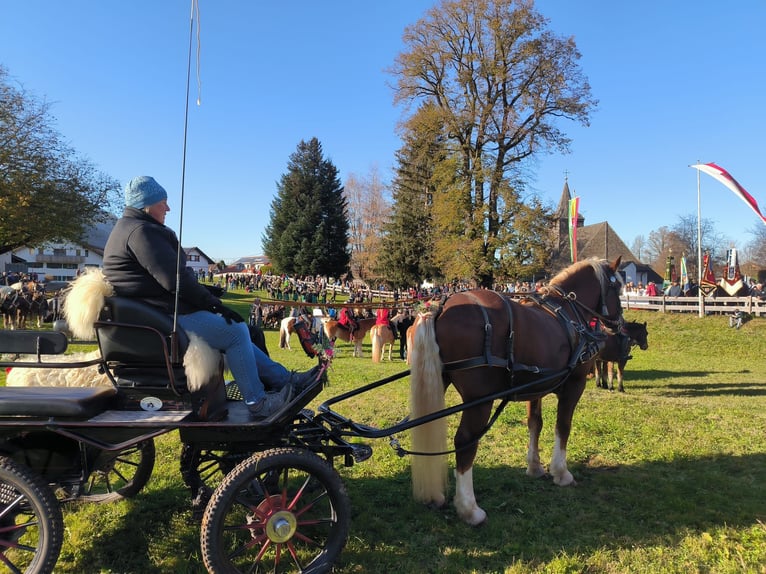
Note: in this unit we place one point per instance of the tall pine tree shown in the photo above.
(406, 255)
(308, 229)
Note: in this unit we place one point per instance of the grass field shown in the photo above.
(670, 476)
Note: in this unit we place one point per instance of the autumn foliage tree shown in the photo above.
(499, 82)
(47, 192)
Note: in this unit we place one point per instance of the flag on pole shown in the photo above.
(709, 283)
(725, 178)
(731, 282)
(574, 206)
(685, 285)
(670, 271)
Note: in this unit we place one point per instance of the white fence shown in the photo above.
(712, 305)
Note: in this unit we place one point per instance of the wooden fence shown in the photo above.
(712, 305)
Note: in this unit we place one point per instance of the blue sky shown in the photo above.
(677, 82)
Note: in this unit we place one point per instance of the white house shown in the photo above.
(197, 260)
(250, 264)
(63, 261)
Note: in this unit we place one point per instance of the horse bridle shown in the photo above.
(610, 325)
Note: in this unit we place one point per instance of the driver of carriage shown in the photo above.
(141, 260)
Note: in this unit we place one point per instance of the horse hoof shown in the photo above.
(475, 518)
(566, 480)
(536, 472)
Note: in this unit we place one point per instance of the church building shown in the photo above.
(597, 240)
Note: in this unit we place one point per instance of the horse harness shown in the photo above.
(584, 342)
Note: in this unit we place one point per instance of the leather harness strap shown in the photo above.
(584, 343)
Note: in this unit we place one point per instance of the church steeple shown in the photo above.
(563, 209)
(561, 217)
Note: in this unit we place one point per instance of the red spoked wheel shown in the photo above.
(282, 510)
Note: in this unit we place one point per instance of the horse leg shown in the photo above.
(472, 423)
(535, 468)
(597, 373)
(610, 374)
(620, 374)
(568, 398)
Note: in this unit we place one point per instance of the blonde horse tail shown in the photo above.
(377, 342)
(429, 473)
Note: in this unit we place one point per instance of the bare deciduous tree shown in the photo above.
(368, 209)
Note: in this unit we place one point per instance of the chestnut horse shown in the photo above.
(489, 347)
(335, 330)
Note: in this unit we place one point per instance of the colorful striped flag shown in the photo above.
(574, 206)
(725, 178)
(685, 286)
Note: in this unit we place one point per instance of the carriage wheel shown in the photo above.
(31, 525)
(281, 510)
(123, 473)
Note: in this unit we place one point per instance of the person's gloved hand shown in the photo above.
(228, 314)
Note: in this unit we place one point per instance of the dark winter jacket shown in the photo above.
(140, 260)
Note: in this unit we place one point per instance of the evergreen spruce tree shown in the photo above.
(308, 229)
(406, 256)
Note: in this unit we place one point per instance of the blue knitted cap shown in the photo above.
(143, 191)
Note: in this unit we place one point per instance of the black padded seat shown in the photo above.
(65, 402)
(131, 331)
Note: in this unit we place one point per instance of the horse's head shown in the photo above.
(595, 285)
(638, 334)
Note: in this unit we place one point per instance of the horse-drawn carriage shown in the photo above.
(281, 505)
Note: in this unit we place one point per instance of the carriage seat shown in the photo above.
(131, 331)
(59, 402)
(135, 340)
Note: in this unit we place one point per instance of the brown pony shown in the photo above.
(381, 335)
(335, 330)
(492, 347)
(616, 352)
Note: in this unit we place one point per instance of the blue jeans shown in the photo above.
(251, 367)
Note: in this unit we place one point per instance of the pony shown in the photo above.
(616, 351)
(8, 297)
(286, 326)
(490, 346)
(335, 330)
(381, 335)
(38, 307)
(15, 305)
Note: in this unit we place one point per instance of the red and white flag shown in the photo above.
(725, 178)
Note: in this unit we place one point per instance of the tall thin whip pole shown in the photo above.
(174, 346)
(700, 295)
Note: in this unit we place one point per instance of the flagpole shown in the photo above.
(699, 250)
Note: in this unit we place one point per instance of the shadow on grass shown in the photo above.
(147, 528)
(618, 507)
